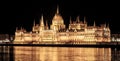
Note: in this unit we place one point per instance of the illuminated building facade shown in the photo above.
(115, 37)
(78, 31)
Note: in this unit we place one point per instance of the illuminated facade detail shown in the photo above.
(115, 37)
(78, 31)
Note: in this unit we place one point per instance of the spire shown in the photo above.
(42, 21)
(34, 23)
(108, 25)
(46, 25)
(94, 23)
(21, 28)
(70, 20)
(84, 19)
(57, 10)
(77, 19)
(16, 28)
(105, 24)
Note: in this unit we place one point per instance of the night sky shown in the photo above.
(22, 13)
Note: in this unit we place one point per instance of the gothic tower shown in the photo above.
(42, 27)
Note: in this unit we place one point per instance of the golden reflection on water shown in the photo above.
(26, 53)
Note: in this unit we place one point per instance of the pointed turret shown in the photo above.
(57, 10)
(46, 25)
(105, 24)
(33, 29)
(108, 25)
(34, 23)
(94, 23)
(84, 19)
(77, 19)
(70, 20)
(42, 24)
(42, 21)
(21, 28)
(85, 22)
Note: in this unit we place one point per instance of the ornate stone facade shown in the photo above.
(78, 31)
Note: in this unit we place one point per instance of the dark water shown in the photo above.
(29, 53)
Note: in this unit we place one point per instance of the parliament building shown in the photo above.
(78, 31)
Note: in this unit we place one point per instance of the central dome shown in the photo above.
(57, 21)
(57, 17)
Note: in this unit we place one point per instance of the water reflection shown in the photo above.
(6, 53)
(115, 54)
(29, 53)
(61, 54)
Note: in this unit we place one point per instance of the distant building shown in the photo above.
(4, 38)
(78, 31)
(115, 37)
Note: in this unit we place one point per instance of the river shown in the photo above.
(40, 53)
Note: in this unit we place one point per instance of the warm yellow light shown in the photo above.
(78, 31)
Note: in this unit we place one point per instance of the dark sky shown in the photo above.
(22, 13)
